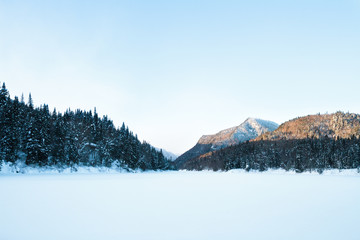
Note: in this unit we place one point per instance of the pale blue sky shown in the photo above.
(175, 70)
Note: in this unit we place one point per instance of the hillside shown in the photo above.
(248, 130)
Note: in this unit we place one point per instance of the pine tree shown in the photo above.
(6, 124)
(30, 102)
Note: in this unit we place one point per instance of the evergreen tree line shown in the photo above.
(75, 138)
(308, 154)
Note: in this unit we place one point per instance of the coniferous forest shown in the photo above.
(38, 137)
(309, 154)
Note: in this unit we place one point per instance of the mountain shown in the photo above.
(248, 130)
(314, 142)
(169, 155)
(335, 125)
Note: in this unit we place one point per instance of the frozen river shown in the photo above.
(180, 205)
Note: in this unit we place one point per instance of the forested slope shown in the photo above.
(38, 137)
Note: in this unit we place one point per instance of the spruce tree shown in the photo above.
(30, 102)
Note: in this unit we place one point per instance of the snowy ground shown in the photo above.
(180, 205)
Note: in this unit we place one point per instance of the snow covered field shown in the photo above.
(180, 205)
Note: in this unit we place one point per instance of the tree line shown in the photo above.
(309, 154)
(38, 137)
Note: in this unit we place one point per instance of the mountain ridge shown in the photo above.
(334, 125)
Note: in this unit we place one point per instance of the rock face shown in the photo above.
(336, 125)
(248, 130)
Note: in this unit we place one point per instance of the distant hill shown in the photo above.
(169, 155)
(248, 130)
(314, 142)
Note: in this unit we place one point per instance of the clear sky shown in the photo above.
(175, 70)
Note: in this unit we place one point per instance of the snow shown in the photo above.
(180, 205)
(250, 129)
(20, 168)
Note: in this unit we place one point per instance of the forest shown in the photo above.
(309, 154)
(37, 137)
